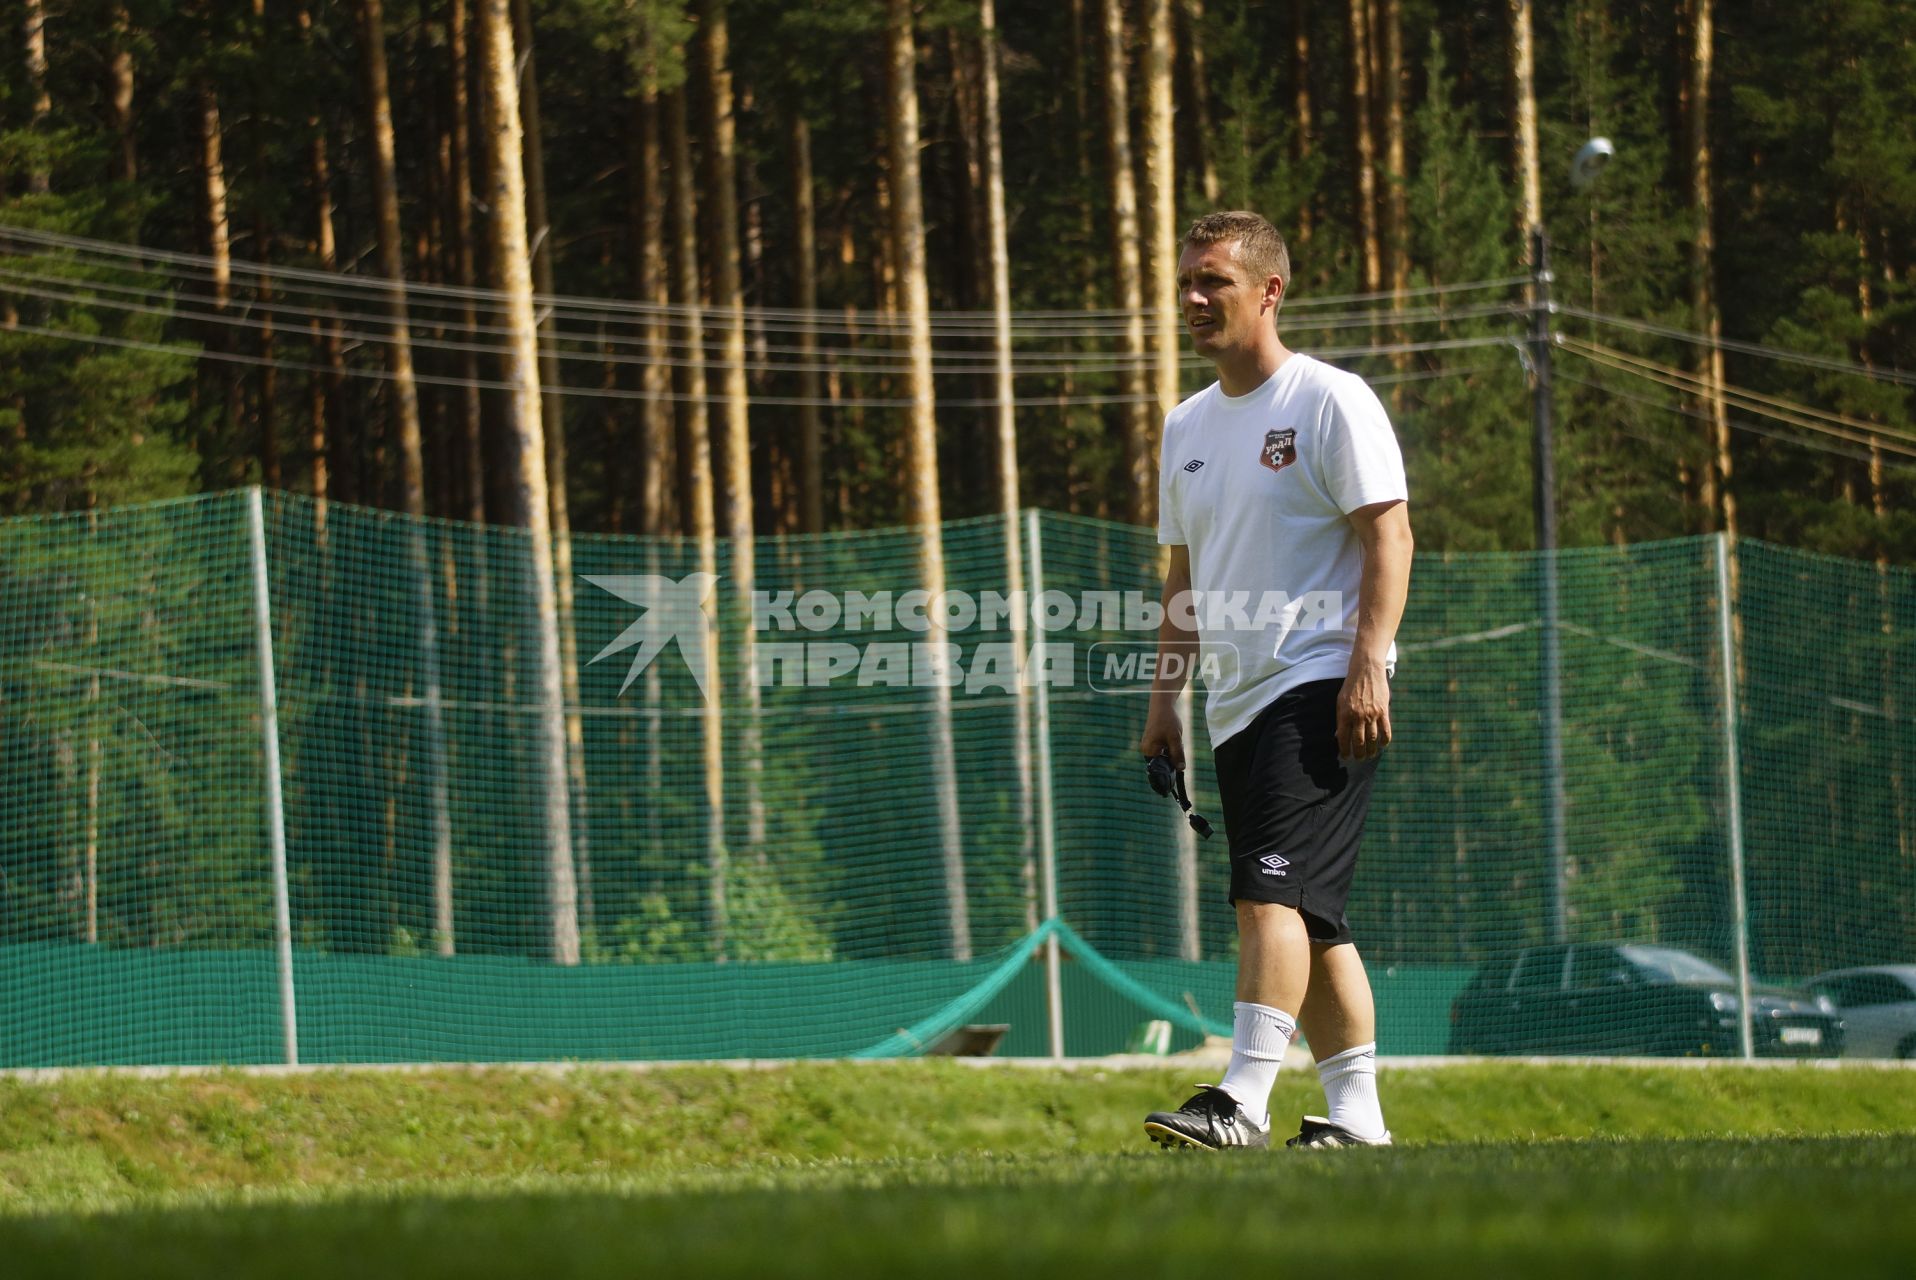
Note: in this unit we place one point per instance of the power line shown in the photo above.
(240, 309)
(1803, 442)
(695, 319)
(1749, 401)
(981, 322)
(621, 393)
(1025, 364)
(1902, 377)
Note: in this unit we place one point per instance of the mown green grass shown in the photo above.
(936, 1168)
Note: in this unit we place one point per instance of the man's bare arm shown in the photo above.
(1363, 705)
(1177, 647)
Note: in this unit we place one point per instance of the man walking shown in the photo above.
(1282, 500)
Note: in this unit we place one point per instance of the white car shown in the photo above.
(1878, 1006)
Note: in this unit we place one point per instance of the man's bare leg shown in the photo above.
(1274, 959)
(1339, 1018)
(1273, 972)
(1338, 1011)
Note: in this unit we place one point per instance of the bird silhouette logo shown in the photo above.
(674, 613)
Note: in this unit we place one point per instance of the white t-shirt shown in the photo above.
(1259, 487)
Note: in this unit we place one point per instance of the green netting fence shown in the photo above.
(882, 862)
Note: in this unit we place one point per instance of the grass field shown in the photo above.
(937, 1168)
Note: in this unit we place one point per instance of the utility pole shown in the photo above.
(1543, 480)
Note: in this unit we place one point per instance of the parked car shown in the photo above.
(1630, 999)
(1878, 1005)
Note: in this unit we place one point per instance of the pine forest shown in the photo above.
(731, 266)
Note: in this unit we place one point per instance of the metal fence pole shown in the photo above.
(275, 799)
(1733, 787)
(1543, 477)
(1047, 819)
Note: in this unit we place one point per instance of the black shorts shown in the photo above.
(1293, 811)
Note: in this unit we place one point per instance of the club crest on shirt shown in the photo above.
(1280, 448)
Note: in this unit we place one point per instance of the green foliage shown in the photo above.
(650, 38)
(1460, 216)
(1620, 247)
(1818, 242)
(1260, 161)
(651, 937)
(99, 423)
(1815, 209)
(123, 737)
(771, 925)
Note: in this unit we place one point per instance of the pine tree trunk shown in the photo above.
(1396, 209)
(336, 438)
(649, 285)
(1365, 138)
(695, 488)
(735, 473)
(1160, 231)
(552, 409)
(513, 263)
(1718, 500)
(811, 427)
(1200, 100)
(268, 426)
(412, 454)
(470, 427)
(1523, 75)
(1139, 464)
(844, 392)
(399, 358)
(220, 380)
(120, 93)
(925, 512)
(1301, 78)
(968, 265)
(966, 116)
(752, 265)
(998, 256)
(621, 465)
(1081, 479)
(1082, 129)
(39, 99)
(328, 389)
(1160, 290)
(213, 188)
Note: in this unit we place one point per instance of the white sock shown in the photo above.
(1350, 1087)
(1259, 1036)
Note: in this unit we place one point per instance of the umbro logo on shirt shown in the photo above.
(1194, 464)
(1274, 864)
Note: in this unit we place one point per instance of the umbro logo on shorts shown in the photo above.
(1274, 864)
(1194, 464)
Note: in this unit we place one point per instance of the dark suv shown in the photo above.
(1630, 999)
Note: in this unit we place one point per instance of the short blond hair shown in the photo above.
(1259, 246)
